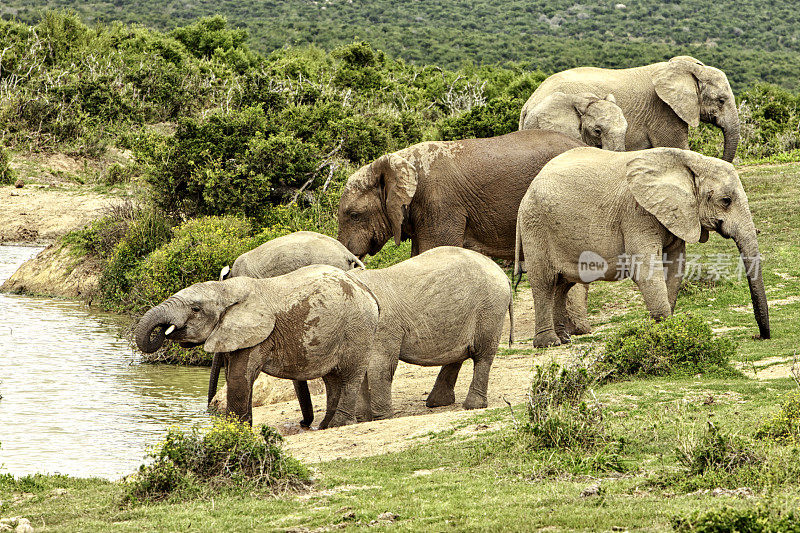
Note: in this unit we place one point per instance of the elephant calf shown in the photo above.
(281, 256)
(314, 322)
(593, 214)
(437, 309)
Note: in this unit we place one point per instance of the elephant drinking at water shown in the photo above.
(314, 322)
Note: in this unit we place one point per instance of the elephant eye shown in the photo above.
(354, 216)
(726, 201)
(721, 99)
(195, 309)
(597, 131)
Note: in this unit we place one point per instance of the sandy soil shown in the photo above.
(39, 214)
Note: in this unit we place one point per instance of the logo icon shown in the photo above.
(591, 266)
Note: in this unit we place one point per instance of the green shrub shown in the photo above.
(718, 451)
(783, 427)
(679, 344)
(6, 172)
(228, 453)
(759, 519)
(558, 414)
(197, 252)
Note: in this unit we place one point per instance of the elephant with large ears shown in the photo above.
(594, 214)
(586, 117)
(281, 256)
(317, 321)
(439, 308)
(660, 101)
(450, 193)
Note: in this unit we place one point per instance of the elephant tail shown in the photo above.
(511, 320)
(517, 269)
(213, 379)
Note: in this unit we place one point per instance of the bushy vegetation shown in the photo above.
(758, 519)
(559, 413)
(679, 344)
(6, 172)
(784, 426)
(716, 450)
(228, 453)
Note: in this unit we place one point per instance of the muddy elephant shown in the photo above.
(660, 101)
(281, 256)
(450, 193)
(314, 322)
(594, 214)
(586, 117)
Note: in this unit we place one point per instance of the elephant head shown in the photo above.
(375, 204)
(691, 194)
(217, 314)
(586, 117)
(698, 92)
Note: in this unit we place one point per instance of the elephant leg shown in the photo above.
(333, 387)
(543, 286)
(306, 406)
(363, 409)
(578, 310)
(350, 389)
(560, 316)
(380, 375)
(477, 397)
(443, 392)
(648, 270)
(675, 265)
(240, 388)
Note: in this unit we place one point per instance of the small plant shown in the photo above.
(760, 519)
(679, 344)
(783, 427)
(6, 172)
(717, 451)
(558, 414)
(228, 453)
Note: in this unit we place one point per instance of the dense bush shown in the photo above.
(228, 453)
(760, 519)
(716, 450)
(6, 172)
(679, 344)
(783, 427)
(559, 415)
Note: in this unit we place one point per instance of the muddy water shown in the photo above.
(75, 399)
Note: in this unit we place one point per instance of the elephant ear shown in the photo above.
(242, 325)
(399, 181)
(676, 84)
(558, 112)
(663, 184)
(611, 98)
(582, 101)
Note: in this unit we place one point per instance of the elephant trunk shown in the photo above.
(213, 379)
(748, 250)
(156, 319)
(731, 135)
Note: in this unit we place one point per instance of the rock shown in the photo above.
(591, 490)
(267, 390)
(24, 526)
(19, 183)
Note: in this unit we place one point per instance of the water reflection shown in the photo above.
(75, 399)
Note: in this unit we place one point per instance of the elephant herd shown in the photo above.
(302, 306)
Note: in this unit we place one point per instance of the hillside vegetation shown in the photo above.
(752, 41)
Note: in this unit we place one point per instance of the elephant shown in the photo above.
(281, 256)
(594, 214)
(439, 308)
(586, 117)
(660, 101)
(314, 322)
(450, 193)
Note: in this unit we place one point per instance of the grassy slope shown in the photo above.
(491, 481)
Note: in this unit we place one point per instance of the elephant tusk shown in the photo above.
(169, 330)
(224, 272)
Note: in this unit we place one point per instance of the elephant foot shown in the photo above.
(306, 423)
(564, 337)
(581, 327)
(475, 401)
(440, 398)
(341, 420)
(548, 338)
